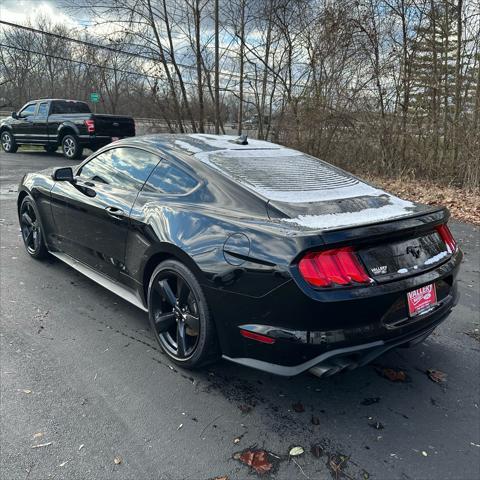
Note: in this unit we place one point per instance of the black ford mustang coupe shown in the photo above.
(267, 256)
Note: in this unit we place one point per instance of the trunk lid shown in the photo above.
(412, 255)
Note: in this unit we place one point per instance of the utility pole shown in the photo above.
(217, 83)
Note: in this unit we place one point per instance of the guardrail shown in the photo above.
(157, 125)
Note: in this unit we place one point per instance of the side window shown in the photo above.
(168, 178)
(28, 110)
(122, 167)
(43, 110)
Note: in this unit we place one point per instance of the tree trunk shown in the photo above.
(217, 80)
(458, 83)
(242, 64)
(198, 55)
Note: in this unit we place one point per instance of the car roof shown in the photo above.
(191, 144)
(268, 170)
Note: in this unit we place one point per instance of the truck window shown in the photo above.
(42, 110)
(28, 110)
(69, 106)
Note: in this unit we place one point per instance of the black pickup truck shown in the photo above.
(69, 123)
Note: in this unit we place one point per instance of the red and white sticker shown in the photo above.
(422, 299)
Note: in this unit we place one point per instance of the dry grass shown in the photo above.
(463, 205)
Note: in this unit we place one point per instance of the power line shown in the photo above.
(94, 65)
(88, 44)
(229, 75)
(115, 50)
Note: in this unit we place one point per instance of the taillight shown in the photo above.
(331, 268)
(90, 124)
(447, 237)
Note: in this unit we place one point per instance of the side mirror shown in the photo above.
(63, 174)
(14, 115)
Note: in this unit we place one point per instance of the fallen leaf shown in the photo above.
(436, 376)
(298, 407)
(236, 440)
(117, 460)
(315, 420)
(295, 451)
(317, 451)
(392, 374)
(38, 435)
(27, 391)
(257, 459)
(40, 445)
(245, 408)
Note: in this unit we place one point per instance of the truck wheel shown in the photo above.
(50, 148)
(8, 142)
(71, 148)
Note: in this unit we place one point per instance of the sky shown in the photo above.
(20, 11)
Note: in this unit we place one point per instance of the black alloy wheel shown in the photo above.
(179, 316)
(31, 229)
(8, 142)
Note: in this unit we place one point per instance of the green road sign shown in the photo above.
(95, 97)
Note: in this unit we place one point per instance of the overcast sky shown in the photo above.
(20, 11)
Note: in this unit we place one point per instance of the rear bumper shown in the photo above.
(332, 334)
(349, 358)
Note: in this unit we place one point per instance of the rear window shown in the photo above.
(286, 175)
(64, 106)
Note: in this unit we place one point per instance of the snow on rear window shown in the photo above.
(288, 176)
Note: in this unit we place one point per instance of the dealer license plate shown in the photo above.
(422, 300)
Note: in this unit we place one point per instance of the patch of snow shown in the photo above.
(286, 175)
(187, 146)
(436, 258)
(350, 191)
(396, 209)
(224, 142)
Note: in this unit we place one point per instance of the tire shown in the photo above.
(50, 148)
(31, 228)
(8, 142)
(71, 148)
(176, 304)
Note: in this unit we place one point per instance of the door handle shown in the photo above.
(115, 212)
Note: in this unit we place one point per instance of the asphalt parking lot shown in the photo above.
(82, 376)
